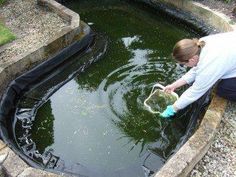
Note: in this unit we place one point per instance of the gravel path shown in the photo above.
(31, 24)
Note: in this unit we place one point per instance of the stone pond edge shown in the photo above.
(180, 164)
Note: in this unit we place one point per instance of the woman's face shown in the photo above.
(191, 62)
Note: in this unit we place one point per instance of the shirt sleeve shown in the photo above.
(203, 82)
(190, 76)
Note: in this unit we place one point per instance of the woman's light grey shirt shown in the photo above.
(216, 61)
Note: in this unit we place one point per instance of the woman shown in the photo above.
(211, 58)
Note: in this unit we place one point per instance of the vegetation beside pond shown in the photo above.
(5, 34)
(2, 1)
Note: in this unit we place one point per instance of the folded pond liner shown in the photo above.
(158, 100)
(27, 81)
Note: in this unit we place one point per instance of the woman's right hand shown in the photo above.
(169, 88)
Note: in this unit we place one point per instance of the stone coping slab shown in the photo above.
(62, 11)
(211, 17)
(181, 163)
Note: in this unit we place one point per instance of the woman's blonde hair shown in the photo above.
(186, 49)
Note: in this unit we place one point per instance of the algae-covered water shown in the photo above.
(97, 123)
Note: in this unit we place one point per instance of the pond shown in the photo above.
(96, 123)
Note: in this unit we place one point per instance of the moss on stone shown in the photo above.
(2, 1)
(5, 34)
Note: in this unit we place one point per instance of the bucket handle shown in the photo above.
(157, 85)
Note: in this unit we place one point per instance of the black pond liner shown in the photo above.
(50, 68)
(83, 49)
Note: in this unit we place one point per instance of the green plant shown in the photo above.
(5, 35)
(227, 1)
(2, 1)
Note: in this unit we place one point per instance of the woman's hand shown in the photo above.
(169, 88)
(170, 111)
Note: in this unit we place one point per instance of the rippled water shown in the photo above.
(98, 119)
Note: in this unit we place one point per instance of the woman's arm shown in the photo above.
(175, 85)
(188, 78)
(202, 84)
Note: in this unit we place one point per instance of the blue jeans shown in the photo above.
(226, 88)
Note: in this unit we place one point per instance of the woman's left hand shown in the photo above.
(169, 112)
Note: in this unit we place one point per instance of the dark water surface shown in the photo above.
(98, 120)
